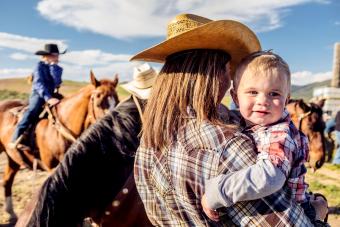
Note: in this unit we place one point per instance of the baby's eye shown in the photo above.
(252, 92)
(274, 94)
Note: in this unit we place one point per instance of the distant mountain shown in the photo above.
(306, 92)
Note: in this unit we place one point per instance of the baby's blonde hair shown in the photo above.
(262, 60)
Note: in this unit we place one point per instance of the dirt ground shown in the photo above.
(27, 182)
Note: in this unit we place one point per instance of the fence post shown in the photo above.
(336, 66)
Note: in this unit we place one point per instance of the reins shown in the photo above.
(302, 116)
(53, 116)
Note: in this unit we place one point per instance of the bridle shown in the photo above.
(301, 117)
(92, 113)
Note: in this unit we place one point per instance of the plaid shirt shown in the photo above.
(171, 181)
(287, 148)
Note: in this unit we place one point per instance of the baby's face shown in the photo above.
(51, 58)
(262, 96)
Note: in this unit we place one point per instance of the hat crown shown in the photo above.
(142, 70)
(51, 48)
(144, 76)
(183, 23)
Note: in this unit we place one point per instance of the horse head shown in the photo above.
(103, 98)
(308, 119)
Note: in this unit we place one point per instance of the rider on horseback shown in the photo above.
(46, 78)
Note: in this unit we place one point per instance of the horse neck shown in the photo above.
(72, 111)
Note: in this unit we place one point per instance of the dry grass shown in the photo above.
(325, 181)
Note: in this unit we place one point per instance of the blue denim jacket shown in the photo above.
(46, 78)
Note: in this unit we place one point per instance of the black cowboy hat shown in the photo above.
(50, 49)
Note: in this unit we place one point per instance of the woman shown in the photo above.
(184, 143)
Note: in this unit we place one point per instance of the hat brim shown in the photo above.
(228, 35)
(140, 93)
(42, 52)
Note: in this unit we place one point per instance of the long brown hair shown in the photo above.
(188, 79)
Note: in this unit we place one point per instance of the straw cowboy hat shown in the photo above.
(50, 49)
(188, 31)
(144, 77)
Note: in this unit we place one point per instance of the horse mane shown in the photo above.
(105, 151)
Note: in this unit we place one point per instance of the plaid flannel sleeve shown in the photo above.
(277, 209)
(296, 180)
(278, 145)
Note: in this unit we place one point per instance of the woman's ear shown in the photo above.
(234, 96)
(287, 99)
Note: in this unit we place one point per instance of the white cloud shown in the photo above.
(93, 57)
(20, 56)
(13, 73)
(80, 73)
(307, 77)
(25, 43)
(337, 23)
(131, 18)
(76, 62)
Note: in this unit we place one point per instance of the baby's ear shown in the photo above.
(234, 96)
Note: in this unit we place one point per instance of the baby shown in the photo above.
(261, 89)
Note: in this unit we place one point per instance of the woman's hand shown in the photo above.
(212, 214)
(321, 207)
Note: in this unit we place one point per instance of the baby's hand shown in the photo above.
(212, 214)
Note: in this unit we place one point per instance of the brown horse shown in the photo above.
(75, 113)
(95, 178)
(308, 119)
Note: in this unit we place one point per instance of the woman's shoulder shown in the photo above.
(209, 135)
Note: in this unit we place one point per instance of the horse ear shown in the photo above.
(115, 80)
(304, 106)
(321, 102)
(94, 81)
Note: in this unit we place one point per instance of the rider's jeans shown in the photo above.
(35, 107)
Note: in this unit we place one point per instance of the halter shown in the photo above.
(303, 116)
(92, 113)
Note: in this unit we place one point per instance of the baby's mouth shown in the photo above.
(263, 112)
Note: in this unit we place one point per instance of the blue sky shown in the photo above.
(102, 35)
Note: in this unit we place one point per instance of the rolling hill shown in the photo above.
(306, 91)
(19, 88)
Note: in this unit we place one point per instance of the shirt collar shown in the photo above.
(285, 118)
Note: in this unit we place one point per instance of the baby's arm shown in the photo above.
(254, 182)
(265, 177)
